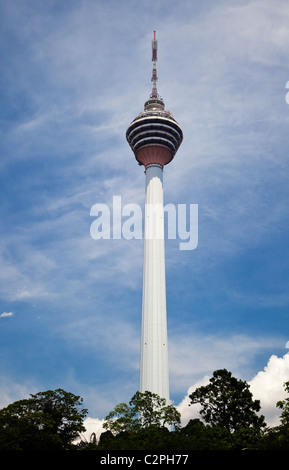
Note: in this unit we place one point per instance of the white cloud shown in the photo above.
(6, 314)
(267, 386)
(92, 426)
(191, 411)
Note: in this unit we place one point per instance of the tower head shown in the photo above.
(154, 135)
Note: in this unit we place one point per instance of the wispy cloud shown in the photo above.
(193, 355)
(74, 79)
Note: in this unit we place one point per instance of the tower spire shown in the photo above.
(154, 60)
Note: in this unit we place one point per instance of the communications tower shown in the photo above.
(154, 136)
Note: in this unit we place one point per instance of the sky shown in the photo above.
(73, 76)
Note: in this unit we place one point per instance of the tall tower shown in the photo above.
(154, 136)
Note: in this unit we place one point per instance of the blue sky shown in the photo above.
(73, 76)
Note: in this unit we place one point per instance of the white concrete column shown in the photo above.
(154, 373)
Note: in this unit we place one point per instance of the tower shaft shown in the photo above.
(154, 373)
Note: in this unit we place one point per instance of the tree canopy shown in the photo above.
(144, 409)
(48, 420)
(53, 420)
(228, 402)
(284, 406)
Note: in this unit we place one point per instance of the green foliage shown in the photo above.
(198, 436)
(52, 420)
(277, 438)
(48, 420)
(284, 406)
(144, 409)
(141, 426)
(150, 438)
(227, 402)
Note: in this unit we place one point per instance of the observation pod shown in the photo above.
(154, 135)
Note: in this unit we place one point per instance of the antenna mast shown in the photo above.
(154, 60)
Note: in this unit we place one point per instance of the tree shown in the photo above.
(284, 406)
(47, 421)
(278, 437)
(227, 402)
(144, 409)
(198, 436)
